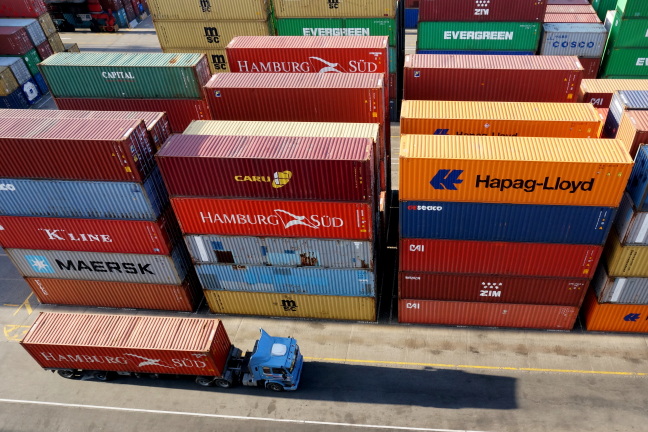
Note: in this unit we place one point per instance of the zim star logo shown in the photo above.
(446, 179)
(39, 264)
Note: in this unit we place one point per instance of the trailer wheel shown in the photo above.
(205, 381)
(275, 387)
(102, 375)
(66, 373)
(223, 383)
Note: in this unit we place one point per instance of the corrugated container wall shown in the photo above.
(572, 18)
(599, 92)
(18, 67)
(22, 8)
(338, 27)
(623, 101)
(591, 66)
(478, 36)
(628, 33)
(30, 58)
(14, 41)
(638, 183)
(624, 63)
(209, 35)
(633, 130)
(631, 225)
(570, 9)
(336, 9)
(632, 9)
(32, 26)
(217, 58)
(620, 290)
(492, 10)
(614, 317)
(586, 40)
(215, 10)
(625, 261)
(8, 83)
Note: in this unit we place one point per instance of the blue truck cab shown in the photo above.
(275, 363)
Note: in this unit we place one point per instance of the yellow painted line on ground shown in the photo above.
(451, 366)
(26, 305)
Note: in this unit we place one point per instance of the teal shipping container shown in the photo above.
(338, 27)
(478, 36)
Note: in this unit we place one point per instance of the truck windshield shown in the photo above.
(294, 360)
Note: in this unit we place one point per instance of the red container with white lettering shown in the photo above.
(492, 10)
(273, 218)
(91, 235)
(22, 8)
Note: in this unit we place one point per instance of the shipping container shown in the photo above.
(181, 298)
(568, 2)
(500, 119)
(492, 10)
(180, 112)
(334, 8)
(622, 102)
(22, 8)
(31, 59)
(620, 290)
(570, 9)
(292, 305)
(287, 280)
(217, 59)
(192, 346)
(335, 220)
(126, 75)
(84, 199)
(18, 68)
(210, 10)
(625, 260)
(599, 92)
(109, 267)
(42, 85)
(15, 100)
(631, 225)
(603, 113)
(633, 130)
(541, 170)
(45, 50)
(14, 41)
(322, 169)
(603, 6)
(632, 9)
(505, 222)
(638, 183)
(8, 82)
(56, 43)
(338, 27)
(209, 35)
(32, 26)
(625, 63)
(71, 47)
(478, 36)
(120, 150)
(570, 39)
(628, 33)
(591, 67)
(439, 312)
(608, 317)
(460, 52)
(46, 23)
(492, 78)
(572, 18)
(503, 258)
(492, 288)
(31, 91)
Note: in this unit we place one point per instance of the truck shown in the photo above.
(109, 346)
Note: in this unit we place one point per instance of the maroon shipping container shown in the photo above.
(504, 258)
(412, 4)
(45, 50)
(487, 314)
(492, 10)
(337, 169)
(130, 11)
(182, 298)
(91, 235)
(22, 8)
(75, 149)
(501, 78)
(393, 86)
(180, 112)
(591, 67)
(491, 288)
(570, 9)
(14, 41)
(572, 18)
(188, 346)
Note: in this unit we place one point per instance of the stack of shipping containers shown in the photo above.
(622, 102)
(171, 83)
(189, 26)
(411, 14)
(97, 15)
(626, 52)
(85, 227)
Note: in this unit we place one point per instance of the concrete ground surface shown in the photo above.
(377, 376)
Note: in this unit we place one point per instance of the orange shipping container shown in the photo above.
(556, 171)
(612, 317)
(633, 130)
(500, 119)
(599, 92)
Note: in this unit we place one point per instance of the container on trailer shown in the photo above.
(18, 68)
(620, 290)
(625, 260)
(194, 346)
(30, 58)
(109, 267)
(292, 305)
(46, 23)
(8, 82)
(555, 171)
(181, 298)
(500, 119)
(503, 258)
(505, 222)
(207, 34)
(599, 92)
(491, 78)
(492, 288)
(60, 148)
(126, 75)
(15, 100)
(633, 130)
(632, 9)
(334, 8)
(504, 36)
(45, 50)
(335, 220)
(623, 101)
(493, 10)
(217, 59)
(439, 312)
(14, 41)
(560, 39)
(570, 9)
(22, 8)
(638, 183)
(572, 18)
(337, 27)
(32, 26)
(337, 169)
(607, 317)
(591, 67)
(209, 11)
(624, 63)
(84, 199)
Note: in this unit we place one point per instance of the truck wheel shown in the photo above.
(275, 387)
(66, 373)
(223, 383)
(205, 381)
(102, 376)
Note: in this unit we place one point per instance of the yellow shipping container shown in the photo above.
(56, 43)
(292, 306)
(208, 35)
(217, 59)
(47, 24)
(8, 83)
(514, 170)
(209, 9)
(335, 8)
(625, 261)
(568, 120)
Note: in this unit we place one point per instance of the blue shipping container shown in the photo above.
(411, 18)
(505, 222)
(394, 112)
(476, 52)
(84, 199)
(121, 18)
(622, 101)
(287, 280)
(42, 85)
(15, 100)
(638, 183)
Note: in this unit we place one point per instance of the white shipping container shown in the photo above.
(620, 290)
(583, 40)
(630, 224)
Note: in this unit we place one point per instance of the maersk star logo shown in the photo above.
(39, 264)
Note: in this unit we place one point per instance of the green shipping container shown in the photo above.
(32, 59)
(338, 27)
(628, 33)
(632, 8)
(603, 6)
(126, 75)
(393, 60)
(625, 62)
(478, 36)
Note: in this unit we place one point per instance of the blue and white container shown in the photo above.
(620, 290)
(631, 225)
(18, 68)
(42, 85)
(622, 101)
(573, 39)
(638, 182)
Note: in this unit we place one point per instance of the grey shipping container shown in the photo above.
(583, 40)
(18, 67)
(620, 290)
(273, 251)
(33, 27)
(623, 100)
(110, 267)
(631, 225)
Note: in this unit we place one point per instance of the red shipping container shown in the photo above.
(76, 149)
(22, 8)
(45, 50)
(572, 18)
(393, 86)
(181, 112)
(491, 288)
(492, 10)
(614, 317)
(189, 346)
(591, 66)
(335, 220)
(501, 78)
(14, 41)
(504, 258)
(570, 9)
(337, 169)
(182, 298)
(487, 314)
(91, 235)
(568, 2)
(411, 4)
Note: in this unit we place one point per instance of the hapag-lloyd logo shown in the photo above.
(314, 65)
(279, 218)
